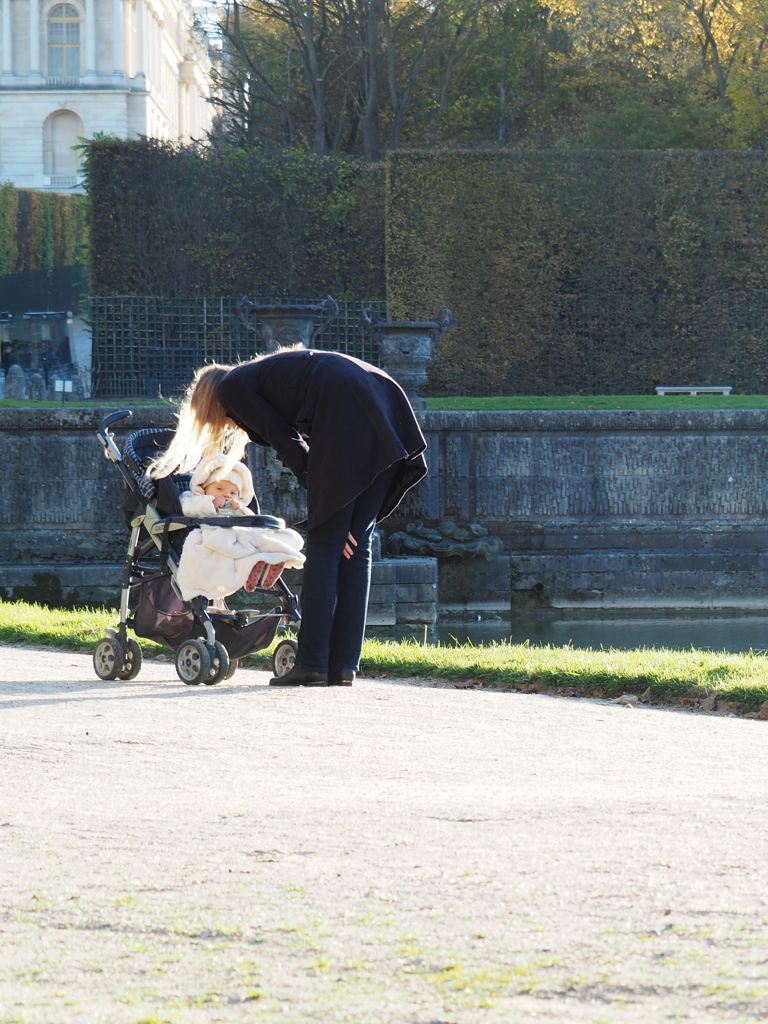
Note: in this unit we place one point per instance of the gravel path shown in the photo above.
(389, 853)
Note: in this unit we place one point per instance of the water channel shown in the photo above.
(736, 634)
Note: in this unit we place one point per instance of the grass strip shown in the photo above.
(76, 629)
(469, 402)
(669, 676)
(662, 675)
(535, 402)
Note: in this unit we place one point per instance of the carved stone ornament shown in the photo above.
(278, 476)
(282, 326)
(406, 348)
(449, 540)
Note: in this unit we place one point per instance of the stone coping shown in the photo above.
(83, 417)
(613, 420)
(72, 416)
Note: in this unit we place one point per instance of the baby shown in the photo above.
(225, 494)
(218, 486)
(224, 487)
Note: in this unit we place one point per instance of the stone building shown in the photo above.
(70, 70)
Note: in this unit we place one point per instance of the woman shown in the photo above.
(348, 433)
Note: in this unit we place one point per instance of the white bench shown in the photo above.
(693, 391)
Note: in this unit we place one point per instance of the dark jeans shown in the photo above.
(334, 592)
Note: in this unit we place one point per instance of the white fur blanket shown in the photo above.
(216, 561)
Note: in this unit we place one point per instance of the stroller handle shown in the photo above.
(112, 452)
(104, 434)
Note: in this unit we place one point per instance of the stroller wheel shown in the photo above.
(234, 665)
(193, 662)
(108, 658)
(133, 660)
(219, 656)
(284, 657)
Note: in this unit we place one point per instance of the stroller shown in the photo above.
(209, 641)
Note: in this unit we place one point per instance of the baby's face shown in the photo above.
(225, 489)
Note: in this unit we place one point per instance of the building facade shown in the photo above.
(118, 67)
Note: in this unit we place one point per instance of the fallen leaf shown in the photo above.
(763, 712)
(708, 703)
(726, 705)
(645, 696)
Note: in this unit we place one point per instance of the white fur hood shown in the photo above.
(223, 467)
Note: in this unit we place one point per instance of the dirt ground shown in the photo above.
(388, 853)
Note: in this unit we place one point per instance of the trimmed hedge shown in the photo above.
(171, 221)
(9, 213)
(583, 272)
(41, 230)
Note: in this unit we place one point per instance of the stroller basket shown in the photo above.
(161, 615)
(208, 640)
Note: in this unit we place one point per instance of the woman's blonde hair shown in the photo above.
(203, 430)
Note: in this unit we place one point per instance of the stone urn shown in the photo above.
(406, 348)
(283, 325)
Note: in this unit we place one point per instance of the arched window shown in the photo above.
(64, 42)
(62, 130)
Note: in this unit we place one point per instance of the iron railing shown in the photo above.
(145, 346)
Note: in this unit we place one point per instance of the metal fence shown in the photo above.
(144, 346)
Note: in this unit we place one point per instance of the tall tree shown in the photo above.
(361, 77)
(363, 64)
(307, 27)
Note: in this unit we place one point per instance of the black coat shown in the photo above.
(335, 421)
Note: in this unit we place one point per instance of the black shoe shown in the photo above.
(344, 677)
(299, 677)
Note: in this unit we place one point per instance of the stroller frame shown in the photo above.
(153, 555)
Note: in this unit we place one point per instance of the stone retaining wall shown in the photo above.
(611, 509)
(63, 539)
(606, 509)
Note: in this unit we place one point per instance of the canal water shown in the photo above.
(737, 634)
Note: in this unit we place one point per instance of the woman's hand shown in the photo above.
(349, 546)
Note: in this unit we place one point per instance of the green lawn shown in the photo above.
(495, 402)
(669, 676)
(602, 402)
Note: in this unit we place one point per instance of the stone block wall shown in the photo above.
(61, 501)
(605, 509)
(403, 590)
(611, 509)
(63, 539)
